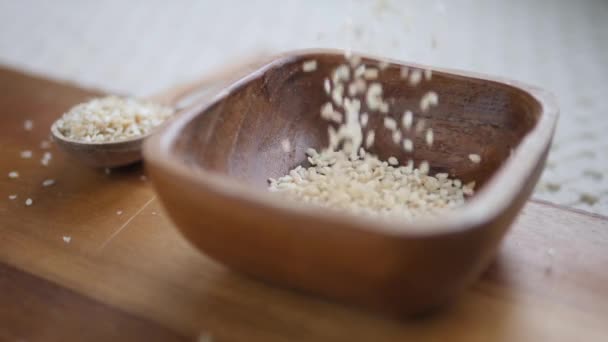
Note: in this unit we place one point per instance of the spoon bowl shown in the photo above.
(124, 152)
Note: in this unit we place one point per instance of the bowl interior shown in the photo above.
(240, 135)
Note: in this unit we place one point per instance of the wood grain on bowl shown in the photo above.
(210, 168)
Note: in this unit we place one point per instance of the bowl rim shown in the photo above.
(480, 209)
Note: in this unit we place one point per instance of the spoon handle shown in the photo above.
(222, 76)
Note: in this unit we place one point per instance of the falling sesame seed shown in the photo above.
(408, 119)
(285, 145)
(390, 123)
(429, 137)
(428, 100)
(67, 239)
(309, 66)
(370, 74)
(369, 140)
(28, 125)
(415, 77)
(396, 136)
(428, 74)
(408, 145)
(364, 119)
(48, 182)
(393, 161)
(27, 154)
(475, 158)
(327, 86)
(13, 174)
(12, 197)
(28, 202)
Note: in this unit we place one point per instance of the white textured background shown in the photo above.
(140, 47)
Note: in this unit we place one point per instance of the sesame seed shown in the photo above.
(369, 140)
(424, 167)
(408, 119)
(67, 239)
(370, 74)
(28, 125)
(26, 154)
(396, 136)
(309, 66)
(475, 158)
(390, 123)
(393, 161)
(415, 77)
(45, 144)
(429, 137)
(12, 197)
(13, 174)
(428, 100)
(327, 86)
(48, 182)
(408, 145)
(29, 202)
(118, 212)
(364, 119)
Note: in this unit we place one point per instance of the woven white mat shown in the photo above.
(142, 46)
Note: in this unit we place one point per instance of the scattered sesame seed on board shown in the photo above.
(396, 136)
(286, 145)
(390, 123)
(12, 197)
(67, 239)
(369, 140)
(118, 212)
(45, 144)
(309, 66)
(475, 158)
(26, 154)
(28, 125)
(428, 100)
(364, 119)
(48, 182)
(29, 202)
(13, 175)
(327, 86)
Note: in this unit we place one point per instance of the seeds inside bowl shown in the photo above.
(111, 118)
(346, 176)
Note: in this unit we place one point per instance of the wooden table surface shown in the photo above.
(133, 277)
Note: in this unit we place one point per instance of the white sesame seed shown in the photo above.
(285, 145)
(327, 86)
(28, 202)
(408, 119)
(45, 144)
(390, 123)
(428, 100)
(415, 77)
(354, 60)
(383, 107)
(408, 145)
(429, 137)
(28, 125)
(475, 158)
(428, 74)
(48, 182)
(118, 212)
(360, 71)
(341, 74)
(67, 239)
(370, 74)
(364, 119)
(374, 96)
(337, 94)
(424, 167)
(12, 197)
(309, 66)
(26, 154)
(393, 161)
(13, 174)
(369, 140)
(396, 136)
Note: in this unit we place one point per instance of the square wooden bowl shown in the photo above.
(210, 168)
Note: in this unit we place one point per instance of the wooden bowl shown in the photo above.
(210, 168)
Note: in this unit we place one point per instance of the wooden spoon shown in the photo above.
(125, 152)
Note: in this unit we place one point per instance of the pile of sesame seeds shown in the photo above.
(345, 176)
(111, 118)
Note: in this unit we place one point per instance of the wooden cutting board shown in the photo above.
(126, 273)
